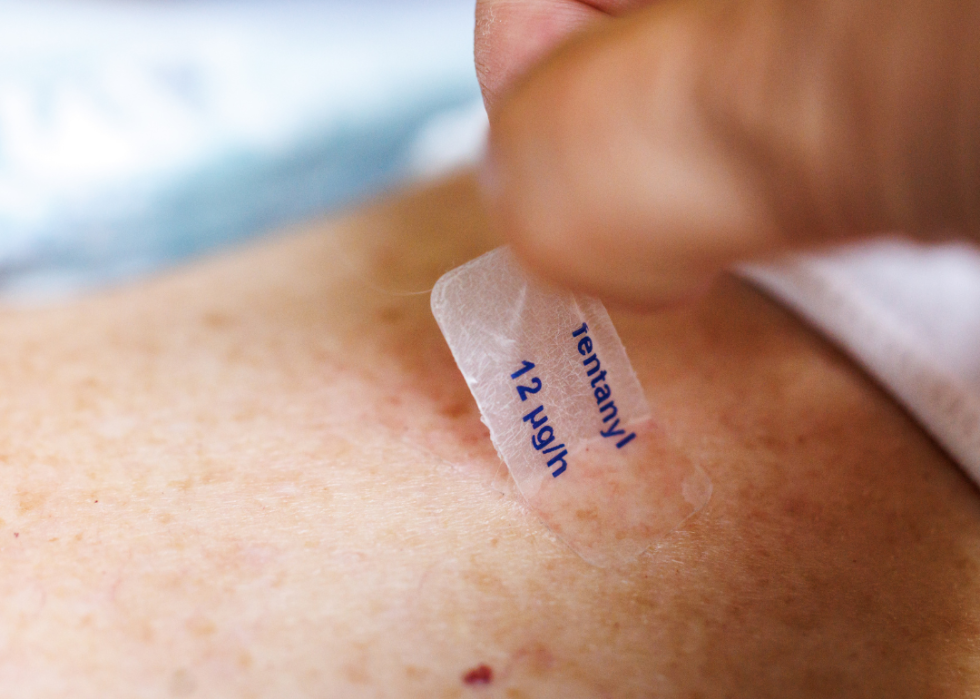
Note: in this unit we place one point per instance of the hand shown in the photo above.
(662, 143)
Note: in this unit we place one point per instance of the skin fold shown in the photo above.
(261, 475)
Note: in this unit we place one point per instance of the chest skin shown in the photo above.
(261, 476)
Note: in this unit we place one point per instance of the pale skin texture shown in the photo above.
(262, 476)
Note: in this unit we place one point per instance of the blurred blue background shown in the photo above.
(137, 134)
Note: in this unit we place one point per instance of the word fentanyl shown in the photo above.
(602, 392)
(556, 390)
(543, 434)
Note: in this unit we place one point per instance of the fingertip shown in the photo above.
(565, 246)
(616, 194)
(511, 36)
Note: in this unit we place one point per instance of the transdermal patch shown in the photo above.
(565, 409)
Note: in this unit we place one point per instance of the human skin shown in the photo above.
(669, 139)
(261, 475)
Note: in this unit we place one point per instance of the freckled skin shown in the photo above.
(613, 504)
(291, 501)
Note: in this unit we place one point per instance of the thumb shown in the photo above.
(642, 158)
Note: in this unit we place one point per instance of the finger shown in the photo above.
(511, 35)
(657, 149)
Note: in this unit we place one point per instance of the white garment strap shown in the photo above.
(910, 314)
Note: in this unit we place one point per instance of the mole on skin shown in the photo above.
(481, 674)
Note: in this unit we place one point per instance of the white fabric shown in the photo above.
(910, 314)
(135, 134)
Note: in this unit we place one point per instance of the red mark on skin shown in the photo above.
(16, 535)
(481, 674)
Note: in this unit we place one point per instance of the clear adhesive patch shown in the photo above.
(565, 410)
